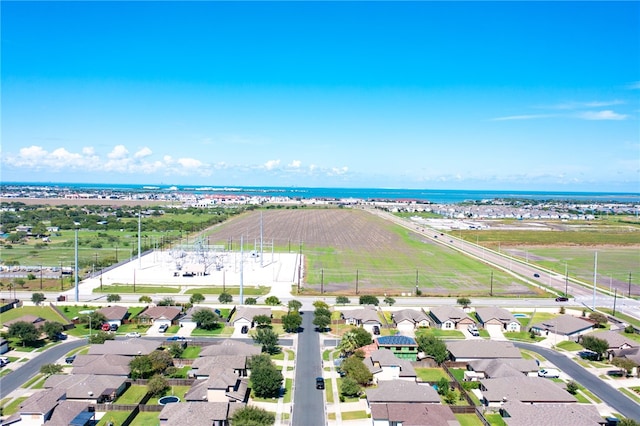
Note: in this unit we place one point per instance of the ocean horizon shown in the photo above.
(440, 196)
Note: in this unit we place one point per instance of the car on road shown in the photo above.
(562, 299)
(536, 275)
(590, 355)
(550, 373)
(132, 334)
(319, 383)
(163, 328)
(61, 336)
(70, 359)
(176, 338)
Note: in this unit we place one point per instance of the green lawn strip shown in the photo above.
(13, 406)
(72, 312)
(494, 419)
(328, 390)
(449, 334)
(570, 346)
(589, 394)
(133, 395)
(430, 374)
(325, 354)
(40, 383)
(146, 418)
(354, 415)
(331, 416)
(458, 373)
(115, 417)
(288, 384)
(45, 312)
(247, 291)
(220, 331)
(5, 371)
(32, 381)
(140, 288)
(191, 352)
(178, 391)
(522, 336)
(127, 328)
(631, 394)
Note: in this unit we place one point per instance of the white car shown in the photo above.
(550, 373)
(132, 334)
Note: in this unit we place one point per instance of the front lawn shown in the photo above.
(522, 336)
(13, 406)
(494, 419)
(448, 334)
(570, 346)
(354, 415)
(220, 331)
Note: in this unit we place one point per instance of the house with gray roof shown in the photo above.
(204, 367)
(632, 354)
(450, 318)
(468, 350)
(72, 413)
(222, 385)
(187, 319)
(366, 318)
(38, 408)
(500, 367)
(407, 320)
(393, 391)
(244, 316)
(107, 364)
(564, 325)
(160, 315)
(515, 413)
(92, 388)
(231, 347)
(114, 314)
(129, 347)
(531, 390)
(384, 365)
(32, 319)
(614, 339)
(412, 414)
(500, 319)
(198, 413)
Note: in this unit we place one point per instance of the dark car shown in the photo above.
(70, 359)
(113, 327)
(376, 330)
(61, 336)
(562, 299)
(536, 275)
(319, 383)
(244, 329)
(176, 338)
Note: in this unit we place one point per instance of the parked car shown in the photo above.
(106, 326)
(244, 329)
(376, 330)
(113, 327)
(70, 359)
(177, 338)
(473, 330)
(319, 383)
(163, 328)
(550, 373)
(132, 334)
(61, 336)
(562, 299)
(3, 361)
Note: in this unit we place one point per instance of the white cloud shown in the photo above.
(88, 150)
(190, 163)
(144, 152)
(271, 164)
(295, 164)
(602, 115)
(118, 152)
(573, 105)
(338, 171)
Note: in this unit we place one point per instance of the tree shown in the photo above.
(595, 344)
(225, 297)
(250, 301)
(24, 332)
(292, 322)
(451, 397)
(50, 369)
(355, 369)
(321, 321)
(572, 387)
(100, 337)
(433, 347)
(348, 344)
(367, 299)
(37, 298)
(322, 311)
(272, 301)
(160, 360)
(349, 387)
(342, 300)
(599, 319)
(113, 298)
(175, 350)
(262, 320)
(94, 319)
(362, 336)
(629, 329)
(252, 416)
(268, 339)
(196, 298)
(294, 305)
(463, 301)
(628, 422)
(624, 364)
(266, 378)
(52, 329)
(206, 319)
(167, 301)
(144, 299)
(141, 367)
(320, 304)
(389, 301)
(157, 385)
(443, 386)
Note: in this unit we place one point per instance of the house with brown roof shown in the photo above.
(614, 339)
(492, 317)
(450, 318)
(384, 365)
(515, 413)
(366, 318)
(129, 347)
(72, 413)
(198, 413)
(412, 414)
(38, 408)
(500, 367)
(114, 314)
(92, 388)
(564, 325)
(395, 391)
(530, 390)
(107, 364)
(468, 350)
(231, 347)
(160, 315)
(32, 319)
(407, 320)
(204, 367)
(244, 316)
(222, 385)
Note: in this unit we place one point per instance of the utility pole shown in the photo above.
(322, 281)
(629, 295)
(615, 296)
(566, 280)
(491, 290)
(416, 282)
(356, 282)
(76, 269)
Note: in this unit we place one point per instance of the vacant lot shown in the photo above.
(345, 248)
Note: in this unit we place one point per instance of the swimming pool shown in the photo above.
(521, 315)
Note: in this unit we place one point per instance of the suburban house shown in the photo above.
(384, 365)
(222, 385)
(500, 367)
(366, 318)
(515, 413)
(198, 413)
(4, 345)
(38, 408)
(393, 391)
(91, 388)
(632, 354)
(106, 364)
(129, 347)
(450, 318)
(614, 339)
(468, 350)
(35, 320)
(564, 325)
(204, 367)
(114, 314)
(231, 347)
(72, 413)
(244, 316)
(412, 414)
(407, 320)
(496, 318)
(187, 319)
(402, 346)
(531, 390)
(160, 315)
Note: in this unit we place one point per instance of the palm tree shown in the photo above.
(348, 344)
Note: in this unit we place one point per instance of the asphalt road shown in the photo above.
(613, 397)
(308, 402)
(17, 378)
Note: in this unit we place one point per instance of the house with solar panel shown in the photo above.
(403, 347)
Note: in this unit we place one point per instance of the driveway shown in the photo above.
(495, 333)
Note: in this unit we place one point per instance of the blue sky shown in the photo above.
(433, 95)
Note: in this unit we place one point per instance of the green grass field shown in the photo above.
(133, 395)
(431, 374)
(115, 417)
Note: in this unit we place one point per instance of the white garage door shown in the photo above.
(493, 328)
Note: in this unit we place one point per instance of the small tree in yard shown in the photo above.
(95, 320)
(463, 301)
(100, 337)
(294, 305)
(624, 364)
(628, 422)
(157, 385)
(175, 350)
(141, 367)
(572, 387)
(599, 319)
(206, 319)
(50, 369)
(433, 346)
(52, 329)
(389, 301)
(321, 321)
(37, 298)
(451, 397)
(349, 387)
(262, 320)
(113, 298)
(266, 378)
(167, 301)
(144, 299)
(268, 339)
(320, 304)
(250, 301)
(24, 331)
(252, 416)
(272, 301)
(196, 298)
(443, 386)
(342, 300)
(356, 370)
(225, 298)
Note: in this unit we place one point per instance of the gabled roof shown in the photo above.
(205, 366)
(385, 358)
(32, 319)
(396, 340)
(402, 391)
(564, 324)
(231, 347)
(524, 389)
(197, 413)
(83, 386)
(616, 340)
(42, 402)
(161, 312)
(478, 349)
(66, 411)
(248, 313)
(452, 313)
(364, 315)
(114, 312)
(503, 367)
(414, 414)
(521, 414)
(412, 315)
(629, 353)
(488, 313)
(117, 365)
(129, 347)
